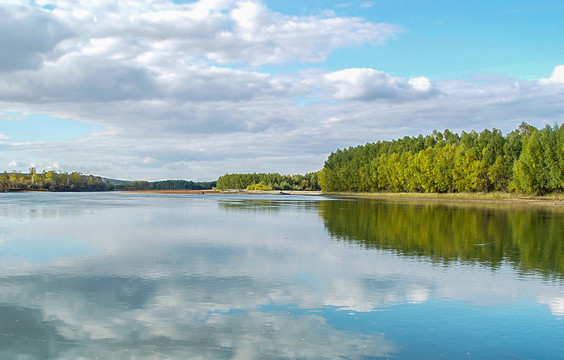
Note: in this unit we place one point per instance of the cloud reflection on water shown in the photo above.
(170, 275)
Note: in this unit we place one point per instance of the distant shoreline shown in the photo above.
(226, 192)
(195, 192)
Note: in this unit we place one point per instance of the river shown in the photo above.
(152, 276)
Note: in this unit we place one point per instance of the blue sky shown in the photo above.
(38, 128)
(196, 89)
(451, 39)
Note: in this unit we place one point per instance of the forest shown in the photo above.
(527, 160)
(270, 181)
(76, 181)
(51, 181)
(165, 185)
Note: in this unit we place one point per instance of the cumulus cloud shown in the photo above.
(557, 77)
(184, 85)
(159, 50)
(206, 139)
(52, 165)
(28, 33)
(76, 78)
(222, 31)
(369, 84)
(199, 83)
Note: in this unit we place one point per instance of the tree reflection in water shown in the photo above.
(530, 239)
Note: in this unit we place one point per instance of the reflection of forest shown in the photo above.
(531, 240)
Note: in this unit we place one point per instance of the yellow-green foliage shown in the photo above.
(260, 186)
(526, 160)
(275, 181)
(51, 181)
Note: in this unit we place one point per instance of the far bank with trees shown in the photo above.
(527, 160)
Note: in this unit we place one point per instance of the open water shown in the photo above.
(145, 276)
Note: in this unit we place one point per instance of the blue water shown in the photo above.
(135, 276)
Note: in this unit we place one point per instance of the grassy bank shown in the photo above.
(556, 199)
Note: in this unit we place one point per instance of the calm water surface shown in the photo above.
(142, 276)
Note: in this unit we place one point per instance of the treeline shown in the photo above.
(165, 185)
(271, 181)
(526, 160)
(51, 181)
(76, 181)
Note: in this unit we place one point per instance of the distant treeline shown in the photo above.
(526, 160)
(264, 181)
(165, 185)
(76, 181)
(51, 181)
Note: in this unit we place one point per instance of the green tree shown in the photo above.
(531, 171)
(4, 182)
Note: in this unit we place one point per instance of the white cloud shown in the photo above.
(28, 33)
(557, 77)
(13, 163)
(148, 160)
(369, 84)
(221, 31)
(420, 84)
(158, 50)
(152, 74)
(78, 78)
(205, 139)
(216, 83)
(52, 165)
(180, 84)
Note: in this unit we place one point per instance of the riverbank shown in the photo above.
(487, 198)
(478, 198)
